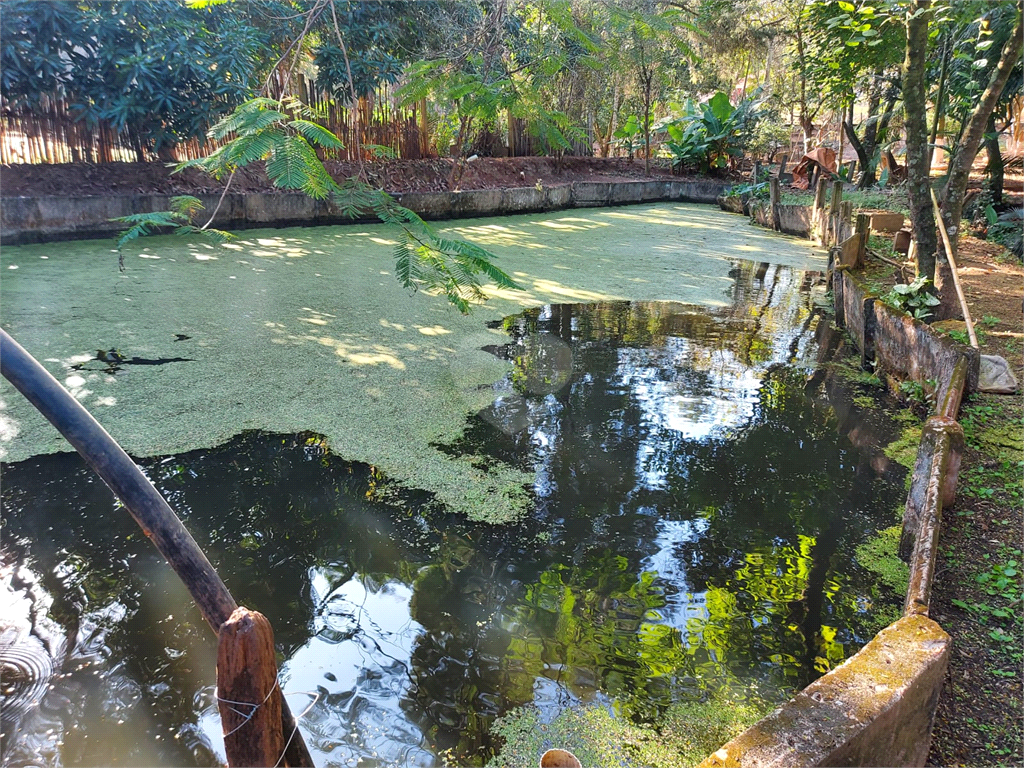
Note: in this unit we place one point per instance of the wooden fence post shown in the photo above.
(833, 213)
(844, 227)
(863, 230)
(774, 193)
(818, 212)
(247, 693)
(140, 497)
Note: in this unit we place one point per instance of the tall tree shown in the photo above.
(915, 92)
(853, 52)
(974, 131)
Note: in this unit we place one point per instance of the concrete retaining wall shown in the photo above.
(45, 219)
(795, 219)
(879, 706)
(913, 350)
(895, 343)
(875, 709)
(733, 204)
(932, 487)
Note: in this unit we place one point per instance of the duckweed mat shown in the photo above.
(306, 329)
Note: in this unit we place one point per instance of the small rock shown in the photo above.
(559, 758)
(995, 376)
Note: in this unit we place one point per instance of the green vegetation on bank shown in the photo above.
(880, 556)
(683, 736)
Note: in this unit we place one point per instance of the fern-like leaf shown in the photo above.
(186, 205)
(248, 149)
(287, 166)
(216, 235)
(247, 118)
(316, 134)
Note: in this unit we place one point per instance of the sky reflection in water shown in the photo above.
(696, 515)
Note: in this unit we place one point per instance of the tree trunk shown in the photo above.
(995, 161)
(614, 119)
(424, 128)
(647, 123)
(938, 101)
(914, 106)
(960, 164)
(874, 133)
(805, 119)
(865, 148)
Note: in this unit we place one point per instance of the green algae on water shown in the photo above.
(903, 450)
(307, 330)
(879, 555)
(683, 736)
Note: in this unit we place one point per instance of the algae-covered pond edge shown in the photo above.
(306, 329)
(683, 736)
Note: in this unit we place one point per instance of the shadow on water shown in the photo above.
(697, 509)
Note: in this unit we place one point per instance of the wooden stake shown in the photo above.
(774, 193)
(832, 224)
(862, 229)
(247, 693)
(956, 277)
(820, 191)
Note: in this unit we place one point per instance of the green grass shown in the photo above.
(894, 200)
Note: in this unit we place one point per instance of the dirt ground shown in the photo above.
(978, 587)
(76, 179)
(980, 720)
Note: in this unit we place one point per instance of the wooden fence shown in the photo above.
(52, 132)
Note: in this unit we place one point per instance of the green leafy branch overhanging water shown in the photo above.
(180, 216)
(283, 133)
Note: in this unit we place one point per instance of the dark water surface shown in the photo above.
(697, 508)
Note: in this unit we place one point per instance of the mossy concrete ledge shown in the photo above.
(932, 487)
(878, 707)
(44, 219)
(875, 709)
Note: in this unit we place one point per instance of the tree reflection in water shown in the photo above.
(696, 515)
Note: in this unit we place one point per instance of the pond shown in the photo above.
(694, 517)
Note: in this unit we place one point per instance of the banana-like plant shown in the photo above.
(283, 134)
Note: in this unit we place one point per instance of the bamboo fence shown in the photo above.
(51, 132)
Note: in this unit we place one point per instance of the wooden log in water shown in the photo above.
(247, 692)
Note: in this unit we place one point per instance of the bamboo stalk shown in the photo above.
(956, 277)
